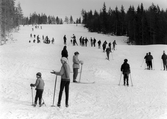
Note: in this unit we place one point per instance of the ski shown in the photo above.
(84, 82)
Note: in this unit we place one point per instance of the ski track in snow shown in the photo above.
(104, 99)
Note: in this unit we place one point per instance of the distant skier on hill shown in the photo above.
(164, 60)
(146, 60)
(108, 50)
(104, 45)
(150, 58)
(65, 39)
(99, 44)
(39, 88)
(114, 43)
(125, 68)
(74, 40)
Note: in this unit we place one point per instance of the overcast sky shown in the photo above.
(62, 8)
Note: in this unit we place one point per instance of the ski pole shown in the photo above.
(32, 94)
(120, 79)
(80, 74)
(131, 80)
(54, 92)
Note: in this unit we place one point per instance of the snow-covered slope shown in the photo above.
(104, 99)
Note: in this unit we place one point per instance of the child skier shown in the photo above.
(39, 88)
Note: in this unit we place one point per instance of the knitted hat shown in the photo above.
(76, 53)
(125, 60)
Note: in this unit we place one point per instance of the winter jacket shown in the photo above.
(149, 58)
(75, 62)
(125, 68)
(64, 53)
(164, 58)
(65, 72)
(39, 83)
(108, 50)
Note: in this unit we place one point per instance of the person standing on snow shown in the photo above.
(125, 68)
(104, 45)
(146, 60)
(39, 88)
(76, 66)
(114, 43)
(64, 52)
(108, 50)
(150, 58)
(65, 80)
(164, 60)
(65, 39)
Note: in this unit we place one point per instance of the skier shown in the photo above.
(104, 45)
(114, 43)
(146, 60)
(108, 50)
(150, 58)
(76, 66)
(39, 88)
(125, 68)
(64, 52)
(65, 39)
(164, 60)
(99, 44)
(65, 80)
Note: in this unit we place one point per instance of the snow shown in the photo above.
(104, 99)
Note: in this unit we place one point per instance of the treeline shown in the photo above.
(10, 17)
(44, 19)
(142, 26)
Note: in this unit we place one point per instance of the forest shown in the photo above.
(10, 18)
(142, 26)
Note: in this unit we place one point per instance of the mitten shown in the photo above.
(31, 85)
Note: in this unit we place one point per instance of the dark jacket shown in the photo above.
(64, 52)
(125, 68)
(164, 58)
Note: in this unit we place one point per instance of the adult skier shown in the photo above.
(76, 66)
(164, 60)
(104, 45)
(146, 60)
(65, 39)
(65, 80)
(150, 58)
(99, 44)
(108, 50)
(64, 52)
(39, 88)
(125, 68)
(114, 43)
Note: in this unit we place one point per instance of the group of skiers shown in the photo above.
(83, 41)
(38, 39)
(149, 61)
(65, 72)
(65, 78)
